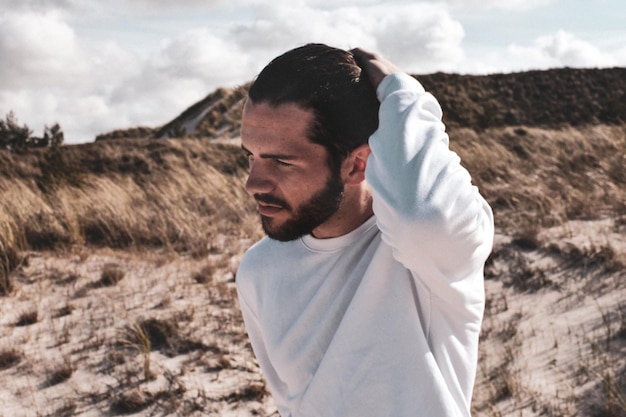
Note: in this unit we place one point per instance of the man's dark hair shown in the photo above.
(328, 82)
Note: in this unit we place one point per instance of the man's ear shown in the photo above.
(353, 167)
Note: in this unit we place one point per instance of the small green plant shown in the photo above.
(136, 337)
(145, 346)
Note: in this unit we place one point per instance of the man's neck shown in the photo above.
(355, 209)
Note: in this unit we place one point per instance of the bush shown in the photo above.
(13, 136)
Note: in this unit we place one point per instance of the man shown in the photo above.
(366, 298)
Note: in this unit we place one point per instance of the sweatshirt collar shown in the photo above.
(339, 242)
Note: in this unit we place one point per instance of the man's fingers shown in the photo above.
(374, 65)
(361, 54)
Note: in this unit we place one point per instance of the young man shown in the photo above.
(366, 298)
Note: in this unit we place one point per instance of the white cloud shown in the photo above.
(185, 69)
(160, 5)
(620, 56)
(38, 5)
(155, 6)
(558, 50)
(461, 4)
(199, 54)
(565, 49)
(276, 29)
(92, 86)
(418, 37)
(37, 50)
(96, 66)
(48, 74)
(517, 5)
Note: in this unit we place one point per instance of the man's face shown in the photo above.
(289, 176)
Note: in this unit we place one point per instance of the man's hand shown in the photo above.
(374, 65)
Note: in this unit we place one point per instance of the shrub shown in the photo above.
(13, 136)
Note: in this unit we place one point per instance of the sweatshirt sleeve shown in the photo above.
(427, 209)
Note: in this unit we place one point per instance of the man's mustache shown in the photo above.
(270, 199)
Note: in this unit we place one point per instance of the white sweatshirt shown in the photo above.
(382, 321)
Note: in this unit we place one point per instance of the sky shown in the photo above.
(94, 66)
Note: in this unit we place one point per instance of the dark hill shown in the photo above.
(552, 98)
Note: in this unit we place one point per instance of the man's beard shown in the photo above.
(309, 215)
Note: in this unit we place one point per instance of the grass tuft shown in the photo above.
(131, 402)
(10, 260)
(252, 392)
(111, 275)
(6, 283)
(9, 358)
(27, 318)
(59, 374)
(205, 275)
(66, 310)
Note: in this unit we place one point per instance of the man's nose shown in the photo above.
(259, 181)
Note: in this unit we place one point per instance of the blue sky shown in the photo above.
(95, 66)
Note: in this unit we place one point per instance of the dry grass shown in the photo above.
(127, 331)
(183, 194)
(130, 257)
(543, 178)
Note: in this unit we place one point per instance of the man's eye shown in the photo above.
(282, 163)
